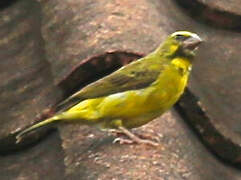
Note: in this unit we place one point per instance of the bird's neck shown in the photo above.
(182, 64)
(175, 72)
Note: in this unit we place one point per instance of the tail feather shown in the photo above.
(35, 126)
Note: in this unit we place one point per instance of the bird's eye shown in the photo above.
(180, 37)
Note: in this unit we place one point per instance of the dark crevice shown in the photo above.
(222, 147)
(9, 146)
(210, 16)
(6, 3)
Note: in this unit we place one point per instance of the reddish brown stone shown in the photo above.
(77, 30)
(26, 87)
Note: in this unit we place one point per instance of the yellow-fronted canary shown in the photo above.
(136, 93)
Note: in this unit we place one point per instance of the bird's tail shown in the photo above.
(36, 126)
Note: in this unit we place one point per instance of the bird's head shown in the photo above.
(181, 43)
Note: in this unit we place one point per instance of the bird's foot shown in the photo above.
(115, 132)
(122, 140)
(130, 141)
(133, 138)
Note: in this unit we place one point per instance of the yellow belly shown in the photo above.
(136, 107)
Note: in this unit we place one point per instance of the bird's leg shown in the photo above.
(115, 132)
(133, 138)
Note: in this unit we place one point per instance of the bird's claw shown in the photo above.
(122, 141)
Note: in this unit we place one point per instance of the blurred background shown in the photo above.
(49, 49)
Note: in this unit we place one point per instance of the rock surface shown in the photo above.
(26, 87)
(43, 41)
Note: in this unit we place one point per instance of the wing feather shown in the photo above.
(136, 75)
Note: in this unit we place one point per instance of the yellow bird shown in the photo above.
(136, 93)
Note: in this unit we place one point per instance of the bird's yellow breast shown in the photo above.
(137, 107)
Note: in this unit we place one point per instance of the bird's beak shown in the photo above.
(192, 42)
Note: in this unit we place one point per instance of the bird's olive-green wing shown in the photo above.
(136, 75)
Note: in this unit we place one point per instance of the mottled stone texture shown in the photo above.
(90, 154)
(231, 6)
(224, 14)
(26, 87)
(46, 44)
(43, 161)
(75, 30)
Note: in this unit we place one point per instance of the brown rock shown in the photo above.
(90, 154)
(45, 160)
(26, 87)
(77, 30)
(231, 6)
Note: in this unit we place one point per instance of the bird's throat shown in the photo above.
(183, 65)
